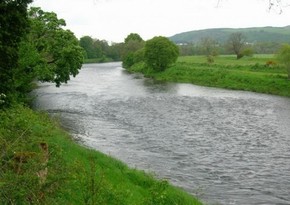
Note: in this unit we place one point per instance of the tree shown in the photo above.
(133, 43)
(236, 43)
(133, 37)
(56, 50)
(114, 51)
(160, 53)
(94, 48)
(13, 26)
(284, 57)
(209, 46)
(87, 43)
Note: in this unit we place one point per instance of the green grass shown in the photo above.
(76, 175)
(258, 74)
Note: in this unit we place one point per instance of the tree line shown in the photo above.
(100, 50)
(226, 48)
(158, 52)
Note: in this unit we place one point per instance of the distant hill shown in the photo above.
(253, 35)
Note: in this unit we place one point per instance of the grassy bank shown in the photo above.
(41, 164)
(98, 60)
(259, 74)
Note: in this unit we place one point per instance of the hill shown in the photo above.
(253, 35)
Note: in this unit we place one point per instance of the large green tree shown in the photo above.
(13, 25)
(284, 57)
(49, 51)
(160, 53)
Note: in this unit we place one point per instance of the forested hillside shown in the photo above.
(253, 35)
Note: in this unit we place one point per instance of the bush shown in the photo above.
(210, 59)
(160, 53)
(128, 60)
(248, 52)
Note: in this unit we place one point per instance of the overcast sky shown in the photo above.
(113, 20)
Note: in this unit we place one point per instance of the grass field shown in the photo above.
(261, 73)
(74, 174)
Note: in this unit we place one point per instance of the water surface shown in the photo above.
(227, 147)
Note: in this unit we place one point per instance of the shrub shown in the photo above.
(160, 53)
(248, 52)
(210, 59)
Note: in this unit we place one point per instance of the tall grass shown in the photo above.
(75, 174)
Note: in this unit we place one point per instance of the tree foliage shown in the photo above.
(236, 43)
(34, 45)
(56, 51)
(94, 48)
(87, 43)
(133, 37)
(160, 53)
(13, 26)
(100, 49)
(114, 51)
(284, 57)
(133, 43)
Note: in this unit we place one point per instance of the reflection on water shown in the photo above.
(229, 147)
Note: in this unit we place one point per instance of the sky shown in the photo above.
(114, 20)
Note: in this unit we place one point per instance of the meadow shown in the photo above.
(69, 173)
(260, 73)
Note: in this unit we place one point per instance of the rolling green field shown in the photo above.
(75, 174)
(260, 73)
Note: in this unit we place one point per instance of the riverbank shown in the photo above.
(98, 60)
(41, 164)
(258, 74)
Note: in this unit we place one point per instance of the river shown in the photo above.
(226, 147)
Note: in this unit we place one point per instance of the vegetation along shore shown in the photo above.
(70, 173)
(261, 73)
(160, 58)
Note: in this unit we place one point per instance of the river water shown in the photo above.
(226, 147)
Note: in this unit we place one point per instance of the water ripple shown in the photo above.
(228, 147)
